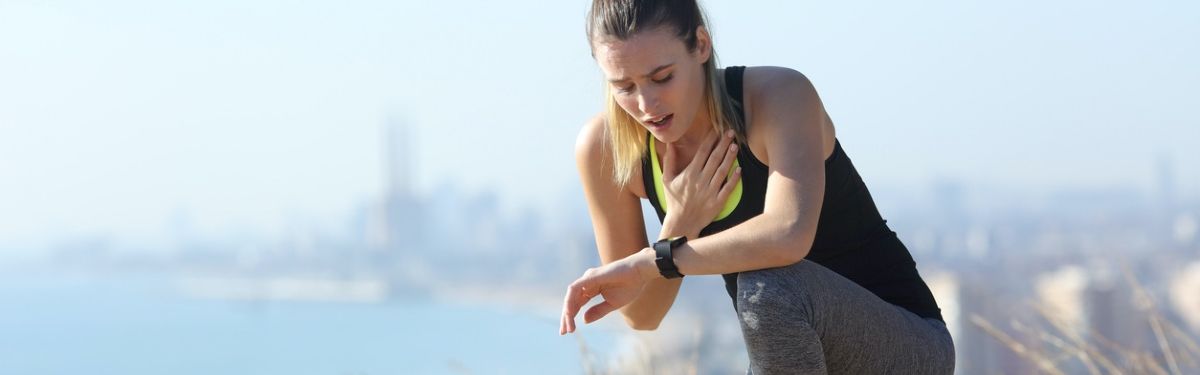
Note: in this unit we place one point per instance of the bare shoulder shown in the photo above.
(594, 157)
(768, 86)
(773, 77)
(781, 101)
(590, 142)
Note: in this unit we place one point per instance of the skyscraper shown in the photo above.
(396, 227)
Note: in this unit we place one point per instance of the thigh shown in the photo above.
(858, 331)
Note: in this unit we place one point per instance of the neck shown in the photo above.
(687, 145)
(701, 127)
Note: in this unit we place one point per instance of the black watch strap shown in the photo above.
(664, 256)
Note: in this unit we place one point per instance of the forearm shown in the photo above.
(760, 242)
(650, 307)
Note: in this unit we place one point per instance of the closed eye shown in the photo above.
(629, 88)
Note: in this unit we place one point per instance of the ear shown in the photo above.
(703, 50)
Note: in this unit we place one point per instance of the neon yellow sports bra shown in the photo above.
(730, 204)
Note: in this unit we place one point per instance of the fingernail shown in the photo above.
(738, 170)
(729, 133)
(733, 147)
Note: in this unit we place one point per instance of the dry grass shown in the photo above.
(648, 359)
(1056, 350)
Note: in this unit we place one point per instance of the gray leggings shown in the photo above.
(806, 319)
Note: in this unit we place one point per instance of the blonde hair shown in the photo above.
(620, 19)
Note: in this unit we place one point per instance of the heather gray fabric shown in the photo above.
(806, 319)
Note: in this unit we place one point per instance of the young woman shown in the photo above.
(754, 185)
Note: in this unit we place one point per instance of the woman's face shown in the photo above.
(655, 79)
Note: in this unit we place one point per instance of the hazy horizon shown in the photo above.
(255, 117)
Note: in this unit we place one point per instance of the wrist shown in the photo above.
(671, 229)
(644, 263)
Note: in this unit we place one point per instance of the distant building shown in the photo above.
(396, 223)
(976, 351)
(1061, 292)
(944, 287)
(1098, 305)
(1185, 295)
(1114, 314)
(1185, 228)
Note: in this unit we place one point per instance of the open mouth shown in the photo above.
(662, 121)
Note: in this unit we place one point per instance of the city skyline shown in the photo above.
(924, 201)
(268, 122)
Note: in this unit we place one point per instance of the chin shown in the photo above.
(670, 138)
(674, 133)
(664, 138)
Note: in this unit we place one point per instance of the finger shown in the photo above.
(702, 152)
(729, 186)
(717, 154)
(575, 300)
(573, 296)
(562, 318)
(566, 324)
(719, 168)
(562, 322)
(598, 311)
(722, 171)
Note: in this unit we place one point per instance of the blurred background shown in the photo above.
(381, 187)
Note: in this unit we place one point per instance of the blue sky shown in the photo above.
(252, 116)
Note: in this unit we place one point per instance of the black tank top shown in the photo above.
(852, 238)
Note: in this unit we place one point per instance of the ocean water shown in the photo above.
(141, 324)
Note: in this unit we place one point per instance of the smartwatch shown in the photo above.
(663, 256)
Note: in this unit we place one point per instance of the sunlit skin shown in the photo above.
(653, 74)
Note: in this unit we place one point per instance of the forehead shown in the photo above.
(639, 54)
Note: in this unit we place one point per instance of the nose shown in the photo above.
(647, 99)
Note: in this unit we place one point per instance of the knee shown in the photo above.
(773, 302)
(771, 288)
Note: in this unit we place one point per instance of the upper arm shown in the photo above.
(615, 211)
(789, 113)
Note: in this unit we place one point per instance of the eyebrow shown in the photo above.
(652, 72)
